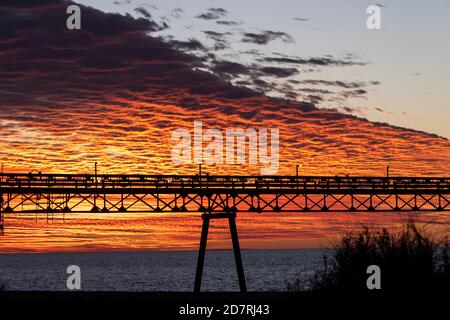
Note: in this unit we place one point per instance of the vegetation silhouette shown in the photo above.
(410, 260)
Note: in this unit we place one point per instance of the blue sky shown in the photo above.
(408, 56)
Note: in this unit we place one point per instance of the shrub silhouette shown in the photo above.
(409, 260)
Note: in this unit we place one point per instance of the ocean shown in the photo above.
(265, 270)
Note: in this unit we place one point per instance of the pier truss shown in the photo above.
(217, 197)
(51, 193)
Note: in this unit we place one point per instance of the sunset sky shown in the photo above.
(347, 100)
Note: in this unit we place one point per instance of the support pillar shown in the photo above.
(237, 252)
(201, 253)
(231, 216)
(2, 224)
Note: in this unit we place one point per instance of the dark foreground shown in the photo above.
(267, 305)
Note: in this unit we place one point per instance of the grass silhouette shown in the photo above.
(409, 260)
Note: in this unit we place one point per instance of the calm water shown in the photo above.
(265, 270)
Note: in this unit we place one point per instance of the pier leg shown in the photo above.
(236, 248)
(201, 253)
(2, 225)
(237, 252)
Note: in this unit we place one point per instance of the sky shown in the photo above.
(346, 100)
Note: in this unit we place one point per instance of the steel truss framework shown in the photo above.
(208, 194)
(212, 201)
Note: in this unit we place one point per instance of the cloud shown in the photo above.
(255, 71)
(228, 22)
(231, 68)
(360, 111)
(279, 72)
(189, 45)
(314, 98)
(301, 19)
(266, 36)
(122, 2)
(213, 14)
(252, 52)
(313, 90)
(337, 83)
(282, 67)
(315, 61)
(219, 39)
(143, 12)
(111, 51)
(215, 34)
(359, 92)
